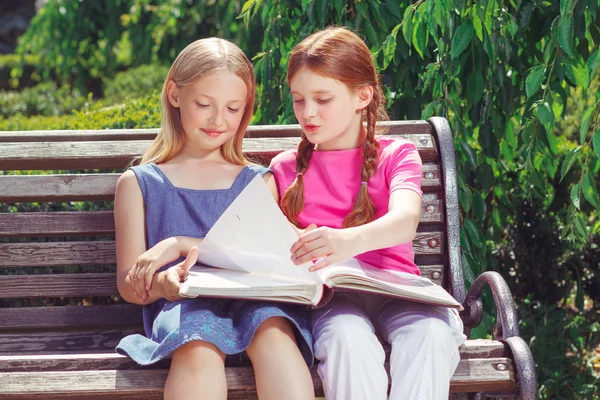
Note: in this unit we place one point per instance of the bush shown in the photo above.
(137, 113)
(44, 99)
(26, 67)
(135, 82)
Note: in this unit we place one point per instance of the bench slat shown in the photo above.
(254, 131)
(91, 223)
(72, 187)
(92, 284)
(472, 375)
(118, 154)
(47, 254)
(71, 317)
(471, 349)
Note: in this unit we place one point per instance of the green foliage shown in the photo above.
(565, 356)
(135, 82)
(85, 41)
(43, 99)
(137, 113)
(26, 64)
(501, 72)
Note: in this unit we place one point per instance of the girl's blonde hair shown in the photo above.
(340, 54)
(200, 58)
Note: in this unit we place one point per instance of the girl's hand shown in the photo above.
(149, 262)
(170, 280)
(327, 244)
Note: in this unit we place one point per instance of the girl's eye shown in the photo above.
(299, 101)
(323, 101)
(233, 110)
(202, 105)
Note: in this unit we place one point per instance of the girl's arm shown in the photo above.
(130, 237)
(136, 266)
(398, 225)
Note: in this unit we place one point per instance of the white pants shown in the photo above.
(424, 340)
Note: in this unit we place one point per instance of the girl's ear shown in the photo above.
(365, 95)
(173, 93)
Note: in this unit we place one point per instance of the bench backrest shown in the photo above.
(54, 262)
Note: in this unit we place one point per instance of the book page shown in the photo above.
(216, 282)
(253, 235)
(357, 275)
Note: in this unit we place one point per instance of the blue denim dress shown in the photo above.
(228, 324)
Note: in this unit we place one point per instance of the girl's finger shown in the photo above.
(148, 276)
(307, 248)
(304, 239)
(324, 262)
(320, 252)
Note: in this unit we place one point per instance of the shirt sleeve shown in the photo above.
(404, 168)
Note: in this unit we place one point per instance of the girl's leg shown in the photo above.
(197, 371)
(351, 357)
(425, 342)
(279, 368)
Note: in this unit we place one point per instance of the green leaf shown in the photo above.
(461, 39)
(575, 70)
(420, 35)
(322, 6)
(565, 35)
(470, 153)
(513, 25)
(534, 80)
(579, 227)
(557, 104)
(340, 6)
(546, 116)
(592, 64)
(585, 123)
(565, 7)
(407, 25)
(596, 143)
(389, 47)
(479, 206)
(575, 196)
(478, 26)
(475, 86)
(588, 185)
(568, 162)
(465, 196)
(363, 9)
(475, 233)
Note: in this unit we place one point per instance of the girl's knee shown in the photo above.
(198, 353)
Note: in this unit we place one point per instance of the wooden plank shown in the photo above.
(90, 223)
(119, 154)
(71, 317)
(67, 187)
(46, 254)
(78, 187)
(254, 131)
(79, 223)
(72, 342)
(471, 375)
(472, 349)
(90, 284)
(58, 285)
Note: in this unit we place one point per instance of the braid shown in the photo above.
(364, 209)
(292, 201)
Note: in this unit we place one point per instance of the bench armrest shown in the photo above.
(507, 323)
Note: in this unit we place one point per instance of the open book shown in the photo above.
(246, 255)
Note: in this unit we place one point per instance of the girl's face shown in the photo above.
(328, 110)
(211, 109)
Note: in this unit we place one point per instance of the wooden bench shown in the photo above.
(55, 344)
